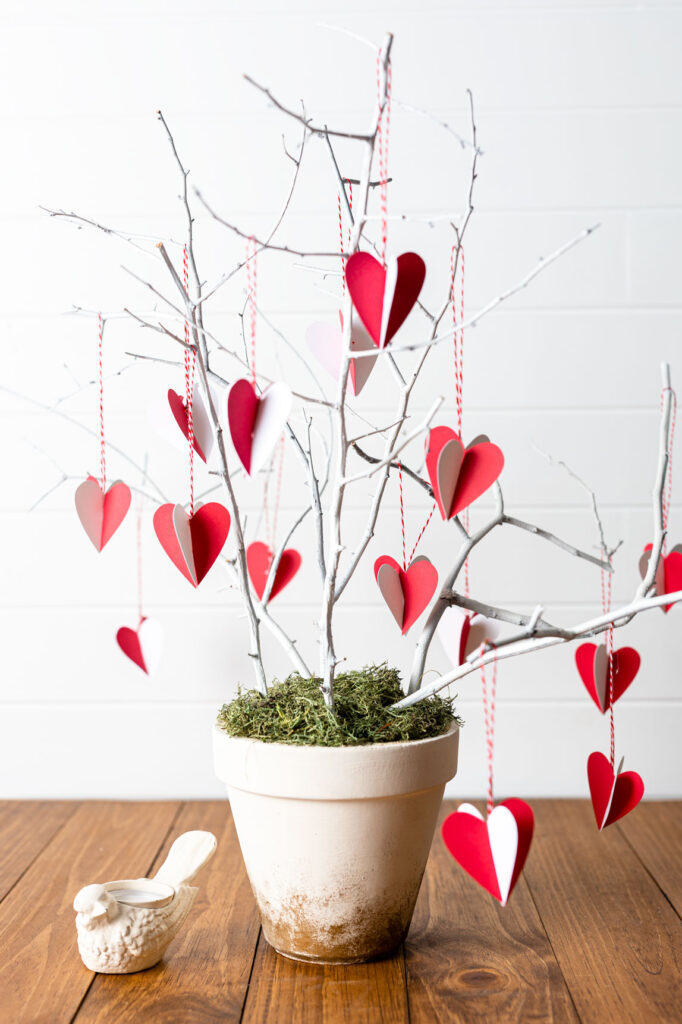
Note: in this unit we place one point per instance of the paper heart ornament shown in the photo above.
(201, 424)
(142, 645)
(613, 796)
(460, 475)
(668, 573)
(493, 850)
(461, 633)
(384, 296)
(101, 513)
(407, 592)
(258, 562)
(256, 421)
(592, 662)
(326, 342)
(192, 542)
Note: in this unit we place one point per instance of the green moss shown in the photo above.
(294, 712)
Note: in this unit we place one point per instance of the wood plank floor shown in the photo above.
(591, 933)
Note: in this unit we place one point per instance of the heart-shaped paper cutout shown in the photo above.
(201, 424)
(407, 592)
(384, 296)
(668, 572)
(192, 542)
(100, 513)
(256, 421)
(613, 796)
(493, 850)
(142, 645)
(460, 475)
(258, 562)
(461, 633)
(592, 662)
(326, 343)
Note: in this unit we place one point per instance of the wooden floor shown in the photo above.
(591, 932)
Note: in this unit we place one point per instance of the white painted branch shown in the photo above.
(393, 455)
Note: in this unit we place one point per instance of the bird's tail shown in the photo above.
(186, 857)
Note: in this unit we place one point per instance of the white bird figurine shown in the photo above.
(126, 925)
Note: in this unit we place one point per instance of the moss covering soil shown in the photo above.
(294, 712)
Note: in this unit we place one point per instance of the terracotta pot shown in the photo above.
(335, 839)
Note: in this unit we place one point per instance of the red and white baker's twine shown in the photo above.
(383, 127)
(102, 445)
(457, 262)
(667, 493)
(190, 368)
(341, 238)
(489, 722)
(252, 285)
(606, 595)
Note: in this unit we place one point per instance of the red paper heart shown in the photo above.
(101, 514)
(256, 421)
(493, 850)
(669, 573)
(460, 475)
(384, 296)
(406, 592)
(593, 665)
(192, 542)
(613, 795)
(179, 410)
(258, 562)
(141, 645)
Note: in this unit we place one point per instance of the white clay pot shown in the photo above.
(335, 839)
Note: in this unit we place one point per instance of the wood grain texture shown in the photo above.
(655, 834)
(205, 973)
(615, 936)
(469, 959)
(25, 828)
(42, 978)
(285, 990)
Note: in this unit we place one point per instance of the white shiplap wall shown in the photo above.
(579, 109)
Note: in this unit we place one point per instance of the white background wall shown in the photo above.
(579, 110)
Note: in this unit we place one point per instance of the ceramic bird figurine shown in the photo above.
(126, 925)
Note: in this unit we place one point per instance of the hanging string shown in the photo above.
(402, 511)
(422, 531)
(102, 445)
(190, 369)
(667, 493)
(383, 127)
(341, 238)
(252, 284)
(489, 723)
(606, 597)
(457, 261)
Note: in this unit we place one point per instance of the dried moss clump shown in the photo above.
(294, 712)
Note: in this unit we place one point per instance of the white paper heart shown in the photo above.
(449, 632)
(150, 636)
(326, 343)
(183, 533)
(503, 835)
(271, 417)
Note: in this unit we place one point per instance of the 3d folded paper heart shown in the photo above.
(407, 592)
(384, 295)
(256, 421)
(101, 512)
(668, 572)
(142, 645)
(493, 850)
(192, 542)
(201, 424)
(258, 562)
(460, 633)
(613, 795)
(326, 342)
(592, 662)
(460, 475)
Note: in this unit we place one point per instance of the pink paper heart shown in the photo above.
(384, 296)
(100, 513)
(192, 542)
(461, 633)
(256, 421)
(406, 592)
(201, 427)
(460, 475)
(142, 645)
(668, 573)
(258, 562)
(326, 342)
(613, 795)
(493, 850)
(592, 662)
